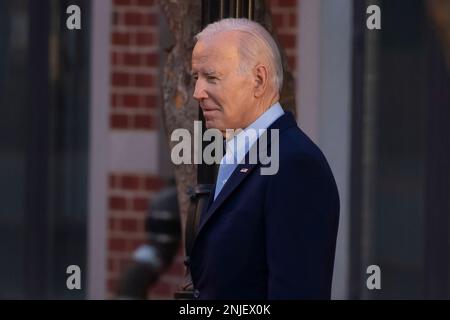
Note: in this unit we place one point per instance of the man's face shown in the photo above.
(225, 95)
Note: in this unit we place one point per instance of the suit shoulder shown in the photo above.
(300, 159)
(295, 144)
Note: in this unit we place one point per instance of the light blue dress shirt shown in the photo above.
(237, 147)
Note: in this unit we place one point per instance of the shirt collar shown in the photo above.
(243, 141)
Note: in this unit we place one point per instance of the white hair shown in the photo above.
(256, 41)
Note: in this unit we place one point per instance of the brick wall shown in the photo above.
(135, 99)
(284, 18)
(134, 59)
(128, 200)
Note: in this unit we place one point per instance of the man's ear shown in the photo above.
(261, 77)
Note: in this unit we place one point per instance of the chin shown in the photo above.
(211, 124)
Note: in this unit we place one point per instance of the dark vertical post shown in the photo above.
(250, 7)
(437, 185)
(222, 9)
(37, 152)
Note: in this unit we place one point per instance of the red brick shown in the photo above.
(292, 63)
(287, 3)
(141, 223)
(143, 80)
(134, 244)
(287, 40)
(115, 18)
(153, 183)
(119, 121)
(111, 224)
(150, 101)
(149, 19)
(133, 18)
(144, 38)
(130, 100)
(162, 288)
(114, 58)
(120, 38)
(112, 265)
(130, 225)
(151, 60)
(116, 244)
(122, 2)
(132, 59)
(277, 20)
(115, 100)
(112, 181)
(140, 204)
(177, 269)
(112, 285)
(146, 2)
(292, 20)
(117, 203)
(120, 79)
(129, 182)
(144, 122)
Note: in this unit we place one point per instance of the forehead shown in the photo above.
(222, 50)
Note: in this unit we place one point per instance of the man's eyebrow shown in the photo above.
(207, 73)
(212, 73)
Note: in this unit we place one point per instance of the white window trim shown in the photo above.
(324, 54)
(98, 148)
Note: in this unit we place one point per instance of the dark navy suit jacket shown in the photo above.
(270, 236)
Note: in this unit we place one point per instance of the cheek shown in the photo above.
(216, 95)
(220, 98)
(232, 98)
(241, 99)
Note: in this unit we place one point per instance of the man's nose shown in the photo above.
(199, 91)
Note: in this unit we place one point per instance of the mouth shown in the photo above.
(208, 108)
(209, 111)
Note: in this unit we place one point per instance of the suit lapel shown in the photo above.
(241, 172)
(208, 206)
(235, 179)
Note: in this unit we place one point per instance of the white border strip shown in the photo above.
(324, 89)
(134, 151)
(98, 147)
(308, 84)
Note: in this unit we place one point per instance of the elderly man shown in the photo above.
(260, 236)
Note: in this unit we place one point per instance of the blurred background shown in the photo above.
(84, 153)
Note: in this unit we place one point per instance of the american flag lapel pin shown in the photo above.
(244, 170)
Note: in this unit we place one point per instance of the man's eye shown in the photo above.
(211, 78)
